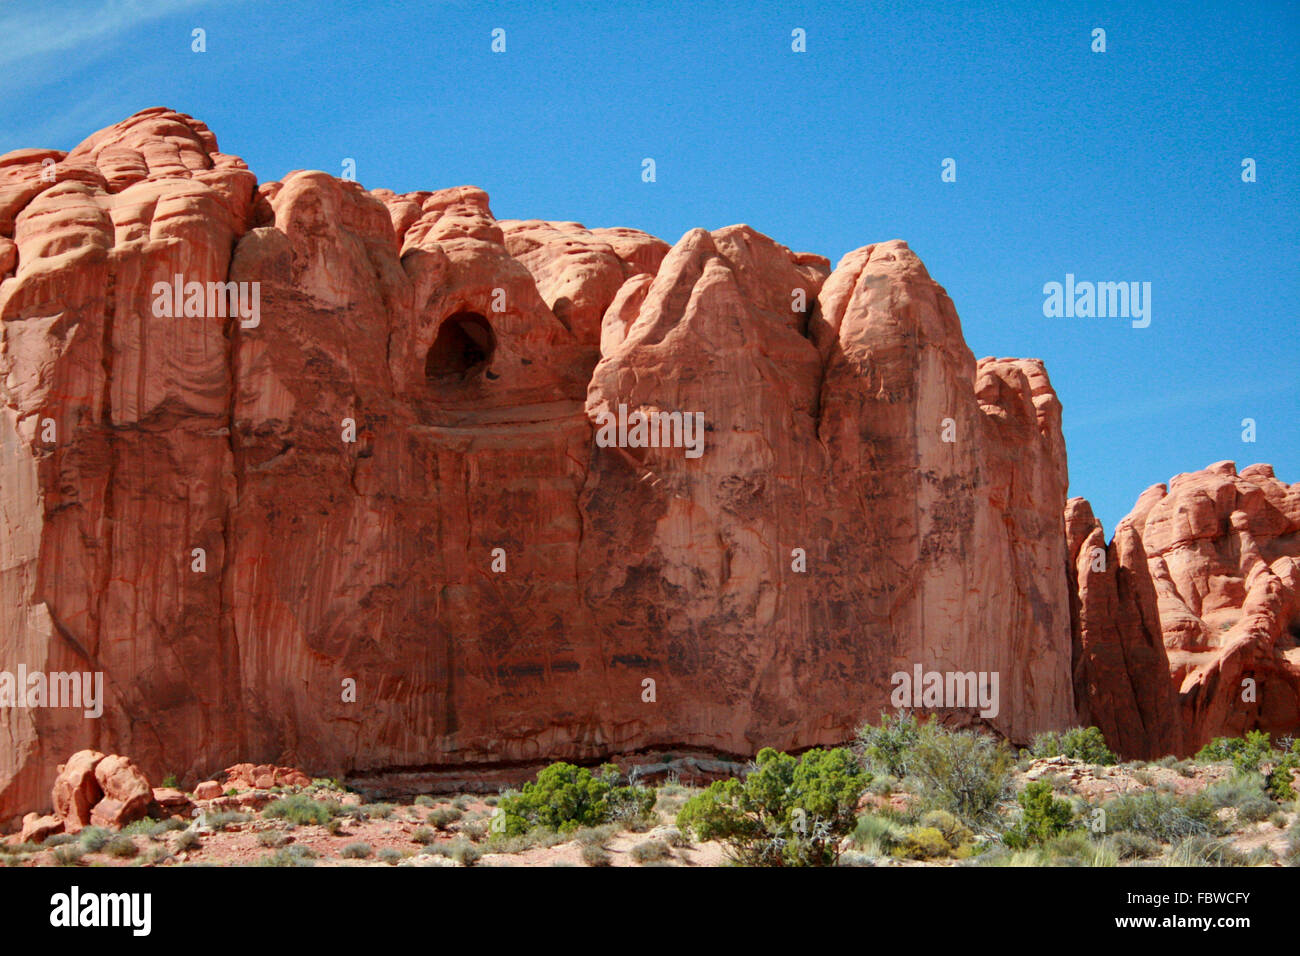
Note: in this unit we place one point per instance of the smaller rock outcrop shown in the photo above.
(247, 776)
(38, 828)
(208, 790)
(93, 789)
(1198, 595)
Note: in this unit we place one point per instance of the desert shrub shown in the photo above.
(887, 749)
(464, 852)
(1247, 793)
(883, 785)
(1128, 845)
(1161, 816)
(1255, 810)
(1077, 848)
(923, 843)
(878, 835)
(786, 811)
(93, 839)
(1236, 790)
(1280, 786)
(226, 818)
(955, 832)
(300, 809)
(424, 800)
(1000, 855)
(461, 803)
(272, 839)
(160, 830)
(675, 837)
(121, 846)
(536, 837)
(14, 849)
(1245, 753)
(461, 850)
(58, 839)
(594, 855)
(1072, 848)
(443, 817)
(650, 850)
(672, 786)
(1207, 851)
(171, 782)
(490, 801)
(295, 855)
(188, 840)
(423, 835)
(595, 836)
(380, 811)
(964, 772)
(1042, 816)
(565, 798)
(669, 802)
(389, 855)
(356, 851)
(1078, 743)
(475, 829)
(158, 855)
(69, 854)
(142, 827)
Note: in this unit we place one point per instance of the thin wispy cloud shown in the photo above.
(30, 33)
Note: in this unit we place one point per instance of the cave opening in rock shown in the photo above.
(1293, 630)
(463, 347)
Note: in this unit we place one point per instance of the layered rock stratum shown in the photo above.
(374, 530)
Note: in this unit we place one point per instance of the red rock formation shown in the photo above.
(104, 791)
(208, 790)
(170, 802)
(246, 776)
(127, 793)
(1201, 583)
(76, 791)
(843, 413)
(37, 828)
(1121, 680)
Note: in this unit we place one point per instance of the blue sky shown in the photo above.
(1115, 166)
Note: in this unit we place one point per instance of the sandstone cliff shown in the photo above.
(391, 477)
(474, 356)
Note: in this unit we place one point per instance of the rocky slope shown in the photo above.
(390, 476)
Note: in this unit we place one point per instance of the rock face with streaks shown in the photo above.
(1202, 583)
(350, 505)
